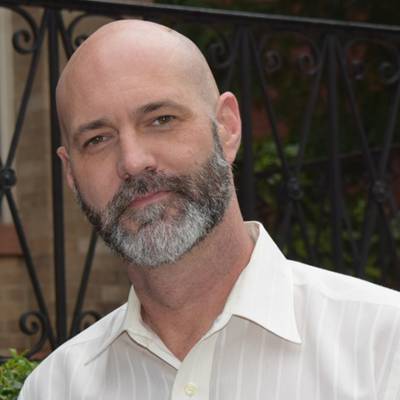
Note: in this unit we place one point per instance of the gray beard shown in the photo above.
(168, 229)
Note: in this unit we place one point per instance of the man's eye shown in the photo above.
(94, 140)
(164, 119)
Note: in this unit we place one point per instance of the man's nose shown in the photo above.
(135, 156)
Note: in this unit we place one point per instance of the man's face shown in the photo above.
(123, 113)
(167, 229)
(140, 153)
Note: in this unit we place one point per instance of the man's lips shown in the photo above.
(149, 198)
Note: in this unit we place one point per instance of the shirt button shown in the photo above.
(190, 389)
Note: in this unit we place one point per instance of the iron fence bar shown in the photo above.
(393, 248)
(343, 71)
(247, 183)
(388, 137)
(335, 171)
(30, 265)
(68, 49)
(312, 257)
(84, 283)
(7, 173)
(382, 253)
(370, 217)
(283, 229)
(319, 162)
(270, 111)
(202, 13)
(392, 203)
(227, 82)
(309, 112)
(57, 182)
(353, 243)
(356, 113)
(26, 95)
(320, 217)
(391, 245)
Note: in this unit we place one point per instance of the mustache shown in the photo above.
(147, 182)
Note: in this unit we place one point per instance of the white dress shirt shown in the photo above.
(288, 331)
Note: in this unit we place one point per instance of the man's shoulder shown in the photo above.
(341, 287)
(102, 328)
(72, 355)
(358, 321)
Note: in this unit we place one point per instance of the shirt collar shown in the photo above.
(110, 331)
(131, 323)
(262, 294)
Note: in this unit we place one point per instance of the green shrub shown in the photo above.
(13, 374)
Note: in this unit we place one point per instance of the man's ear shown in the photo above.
(62, 152)
(229, 124)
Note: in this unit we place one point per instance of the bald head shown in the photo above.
(135, 44)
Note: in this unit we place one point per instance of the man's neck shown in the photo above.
(181, 301)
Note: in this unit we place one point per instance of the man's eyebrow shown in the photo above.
(89, 126)
(145, 109)
(154, 106)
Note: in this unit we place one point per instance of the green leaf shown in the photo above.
(13, 374)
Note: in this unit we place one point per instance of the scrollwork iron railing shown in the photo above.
(321, 169)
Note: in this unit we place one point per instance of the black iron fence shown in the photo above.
(320, 160)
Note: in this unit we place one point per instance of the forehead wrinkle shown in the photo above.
(90, 126)
(160, 104)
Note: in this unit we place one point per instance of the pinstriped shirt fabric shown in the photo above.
(288, 331)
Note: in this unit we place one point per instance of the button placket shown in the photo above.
(190, 389)
(192, 380)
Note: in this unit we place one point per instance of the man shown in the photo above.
(215, 310)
